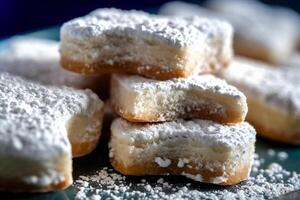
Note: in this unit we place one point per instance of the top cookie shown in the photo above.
(111, 40)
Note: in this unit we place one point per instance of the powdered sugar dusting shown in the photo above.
(256, 22)
(34, 118)
(38, 60)
(265, 183)
(204, 131)
(176, 98)
(278, 87)
(137, 24)
(201, 82)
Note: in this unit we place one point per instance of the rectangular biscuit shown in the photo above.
(273, 97)
(202, 150)
(140, 99)
(112, 40)
(260, 31)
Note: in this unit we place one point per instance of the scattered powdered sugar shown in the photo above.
(281, 155)
(162, 162)
(271, 152)
(264, 183)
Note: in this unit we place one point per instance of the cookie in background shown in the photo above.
(38, 60)
(273, 96)
(268, 33)
(261, 32)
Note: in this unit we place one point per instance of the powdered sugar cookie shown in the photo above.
(273, 97)
(139, 99)
(261, 32)
(198, 149)
(111, 40)
(38, 60)
(41, 128)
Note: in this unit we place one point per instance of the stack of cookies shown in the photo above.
(176, 118)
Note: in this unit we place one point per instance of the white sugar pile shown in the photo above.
(263, 184)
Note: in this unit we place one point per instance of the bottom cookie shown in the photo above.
(198, 149)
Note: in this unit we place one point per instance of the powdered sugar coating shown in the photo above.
(203, 131)
(140, 99)
(38, 60)
(202, 82)
(176, 32)
(275, 28)
(278, 87)
(34, 118)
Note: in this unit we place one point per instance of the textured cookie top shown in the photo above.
(202, 82)
(203, 131)
(36, 59)
(138, 24)
(279, 87)
(253, 20)
(33, 118)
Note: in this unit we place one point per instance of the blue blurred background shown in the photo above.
(25, 15)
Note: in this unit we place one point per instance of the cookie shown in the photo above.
(140, 99)
(201, 150)
(117, 41)
(273, 97)
(42, 127)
